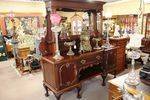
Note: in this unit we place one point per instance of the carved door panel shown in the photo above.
(67, 74)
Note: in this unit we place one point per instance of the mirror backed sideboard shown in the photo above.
(69, 73)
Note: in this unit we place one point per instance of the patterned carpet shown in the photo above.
(29, 86)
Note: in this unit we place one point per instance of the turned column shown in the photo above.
(95, 23)
(49, 36)
(89, 14)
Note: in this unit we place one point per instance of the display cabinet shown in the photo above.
(146, 40)
(147, 29)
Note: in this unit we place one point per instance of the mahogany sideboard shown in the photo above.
(121, 44)
(71, 71)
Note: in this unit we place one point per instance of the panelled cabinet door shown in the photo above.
(110, 58)
(67, 74)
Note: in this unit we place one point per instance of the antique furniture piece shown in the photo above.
(70, 72)
(146, 40)
(145, 73)
(145, 45)
(23, 52)
(147, 29)
(32, 62)
(116, 86)
(121, 44)
(3, 53)
(22, 55)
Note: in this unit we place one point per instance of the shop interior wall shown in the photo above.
(21, 9)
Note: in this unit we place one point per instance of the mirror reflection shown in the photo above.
(73, 22)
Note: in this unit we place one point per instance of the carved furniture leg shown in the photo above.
(79, 92)
(58, 96)
(46, 89)
(104, 78)
(115, 74)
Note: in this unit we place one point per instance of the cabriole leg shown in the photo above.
(46, 89)
(79, 92)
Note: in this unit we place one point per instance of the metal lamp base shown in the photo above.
(132, 78)
(70, 53)
(132, 82)
(97, 48)
(107, 46)
(58, 56)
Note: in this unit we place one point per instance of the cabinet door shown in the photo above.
(110, 59)
(67, 74)
(147, 28)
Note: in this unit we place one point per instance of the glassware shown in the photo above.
(132, 78)
(70, 44)
(57, 29)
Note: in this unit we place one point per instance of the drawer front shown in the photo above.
(91, 60)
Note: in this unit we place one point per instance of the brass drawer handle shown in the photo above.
(83, 61)
(98, 57)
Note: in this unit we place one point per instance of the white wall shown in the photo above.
(125, 7)
(22, 7)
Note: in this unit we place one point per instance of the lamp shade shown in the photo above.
(11, 15)
(55, 18)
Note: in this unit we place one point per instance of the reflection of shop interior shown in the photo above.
(22, 32)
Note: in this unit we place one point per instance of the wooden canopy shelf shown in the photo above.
(77, 5)
(47, 45)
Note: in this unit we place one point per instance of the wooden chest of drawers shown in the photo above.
(121, 44)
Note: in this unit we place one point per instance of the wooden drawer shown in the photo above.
(87, 61)
(114, 93)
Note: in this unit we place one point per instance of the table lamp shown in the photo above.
(108, 15)
(55, 20)
(132, 78)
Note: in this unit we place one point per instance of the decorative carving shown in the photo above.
(83, 61)
(98, 57)
(67, 66)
